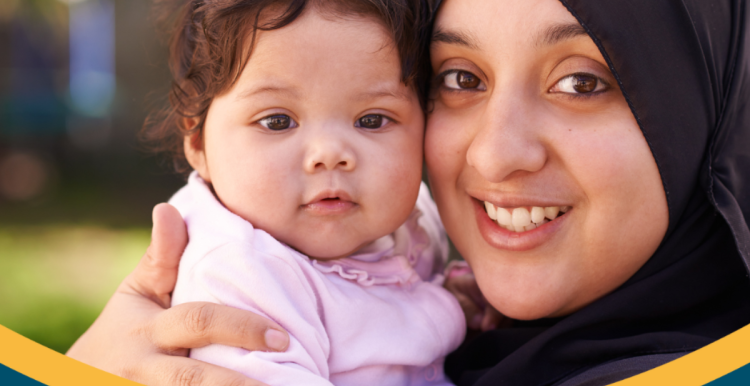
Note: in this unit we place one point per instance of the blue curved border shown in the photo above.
(12, 377)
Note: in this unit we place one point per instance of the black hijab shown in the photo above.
(684, 68)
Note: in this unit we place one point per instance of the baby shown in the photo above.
(304, 127)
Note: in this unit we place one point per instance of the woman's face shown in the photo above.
(527, 116)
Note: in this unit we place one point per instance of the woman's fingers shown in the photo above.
(156, 273)
(161, 370)
(198, 324)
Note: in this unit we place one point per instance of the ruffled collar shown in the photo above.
(389, 260)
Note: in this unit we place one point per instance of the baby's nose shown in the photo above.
(329, 152)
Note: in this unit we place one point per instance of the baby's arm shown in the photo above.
(271, 286)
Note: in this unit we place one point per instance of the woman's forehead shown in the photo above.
(478, 23)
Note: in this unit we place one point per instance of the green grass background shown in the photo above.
(55, 279)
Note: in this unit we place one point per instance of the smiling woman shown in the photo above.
(544, 126)
(629, 277)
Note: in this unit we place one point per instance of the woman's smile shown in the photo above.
(542, 224)
(523, 218)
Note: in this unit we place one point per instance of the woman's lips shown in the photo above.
(502, 238)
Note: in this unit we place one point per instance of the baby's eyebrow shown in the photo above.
(559, 32)
(382, 94)
(253, 91)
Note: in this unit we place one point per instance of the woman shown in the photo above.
(630, 112)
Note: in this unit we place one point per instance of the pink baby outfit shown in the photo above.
(379, 317)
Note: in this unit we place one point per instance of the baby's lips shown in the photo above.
(330, 194)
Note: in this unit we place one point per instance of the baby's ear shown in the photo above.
(194, 152)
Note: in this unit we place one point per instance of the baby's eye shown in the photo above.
(278, 122)
(579, 83)
(371, 121)
(459, 80)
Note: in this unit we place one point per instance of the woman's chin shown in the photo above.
(529, 302)
(528, 311)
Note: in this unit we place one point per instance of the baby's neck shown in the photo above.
(369, 252)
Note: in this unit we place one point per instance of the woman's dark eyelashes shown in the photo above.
(580, 85)
(277, 122)
(458, 81)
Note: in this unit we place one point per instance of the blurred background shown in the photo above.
(77, 78)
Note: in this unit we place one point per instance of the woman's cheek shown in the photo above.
(444, 148)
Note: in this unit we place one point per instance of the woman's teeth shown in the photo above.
(521, 219)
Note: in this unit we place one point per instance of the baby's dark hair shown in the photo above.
(208, 49)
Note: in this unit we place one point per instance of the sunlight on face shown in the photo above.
(528, 126)
(319, 143)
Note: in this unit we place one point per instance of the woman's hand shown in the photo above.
(137, 335)
(480, 315)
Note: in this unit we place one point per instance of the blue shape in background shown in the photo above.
(740, 376)
(92, 57)
(12, 377)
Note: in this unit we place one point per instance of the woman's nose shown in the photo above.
(328, 148)
(507, 141)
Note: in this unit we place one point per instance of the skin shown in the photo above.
(522, 139)
(524, 136)
(327, 181)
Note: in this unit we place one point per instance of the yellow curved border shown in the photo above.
(52, 368)
(702, 366)
(48, 366)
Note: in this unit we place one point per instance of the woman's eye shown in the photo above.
(371, 121)
(459, 80)
(278, 122)
(580, 83)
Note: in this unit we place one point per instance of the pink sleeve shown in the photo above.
(272, 286)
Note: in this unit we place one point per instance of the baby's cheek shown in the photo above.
(395, 184)
(258, 192)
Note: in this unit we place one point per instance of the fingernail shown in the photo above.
(276, 340)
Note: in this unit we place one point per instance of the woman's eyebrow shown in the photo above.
(453, 37)
(559, 32)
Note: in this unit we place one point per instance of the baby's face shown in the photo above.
(319, 143)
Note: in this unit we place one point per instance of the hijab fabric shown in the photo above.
(684, 69)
